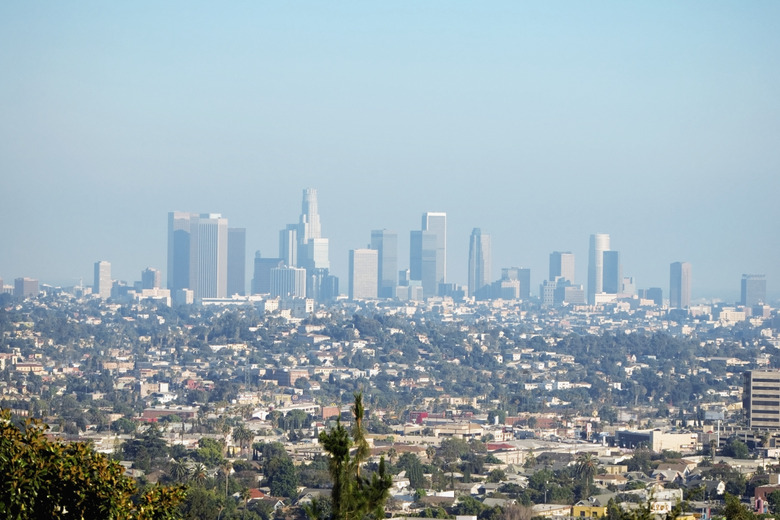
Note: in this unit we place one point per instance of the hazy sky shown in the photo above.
(540, 122)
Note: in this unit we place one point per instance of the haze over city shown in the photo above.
(539, 123)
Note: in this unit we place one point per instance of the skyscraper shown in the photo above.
(208, 256)
(288, 245)
(422, 260)
(312, 247)
(102, 285)
(236, 261)
(288, 282)
(363, 273)
(179, 229)
(386, 244)
(480, 259)
(436, 222)
(598, 244)
(612, 278)
(753, 289)
(680, 285)
(561, 265)
(261, 281)
(150, 278)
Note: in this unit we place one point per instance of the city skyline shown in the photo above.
(642, 121)
(182, 225)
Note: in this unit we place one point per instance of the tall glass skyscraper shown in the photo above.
(480, 259)
(386, 244)
(753, 289)
(598, 244)
(680, 285)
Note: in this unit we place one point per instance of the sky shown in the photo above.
(538, 122)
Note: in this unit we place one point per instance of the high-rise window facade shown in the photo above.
(753, 289)
(598, 244)
(480, 259)
(386, 244)
(363, 273)
(680, 285)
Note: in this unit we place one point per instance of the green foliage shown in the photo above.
(736, 510)
(209, 452)
(774, 501)
(281, 476)
(354, 496)
(737, 449)
(43, 479)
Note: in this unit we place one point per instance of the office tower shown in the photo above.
(321, 286)
(309, 226)
(561, 265)
(288, 282)
(261, 279)
(422, 260)
(236, 261)
(25, 288)
(363, 274)
(480, 258)
(753, 289)
(208, 256)
(317, 254)
(179, 229)
(102, 285)
(680, 285)
(628, 287)
(151, 278)
(515, 283)
(312, 247)
(656, 294)
(611, 278)
(386, 244)
(288, 245)
(437, 223)
(761, 399)
(598, 244)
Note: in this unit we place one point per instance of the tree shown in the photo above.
(586, 470)
(737, 449)
(774, 501)
(495, 476)
(735, 510)
(44, 479)
(354, 496)
(281, 476)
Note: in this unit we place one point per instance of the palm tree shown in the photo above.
(242, 435)
(245, 495)
(586, 470)
(226, 467)
(199, 473)
(179, 470)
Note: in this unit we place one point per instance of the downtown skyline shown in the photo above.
(309, 227)
(539, 123)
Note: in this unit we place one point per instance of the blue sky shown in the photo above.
(540, 122)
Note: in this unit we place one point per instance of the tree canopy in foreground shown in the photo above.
(40, 478)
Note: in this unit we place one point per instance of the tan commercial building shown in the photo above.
(761, 399)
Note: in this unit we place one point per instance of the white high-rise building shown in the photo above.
(103, 283)
(288, 282)
(561, 266)
(363, 274)
(480, 258)
(209, 256)
(598, 244)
